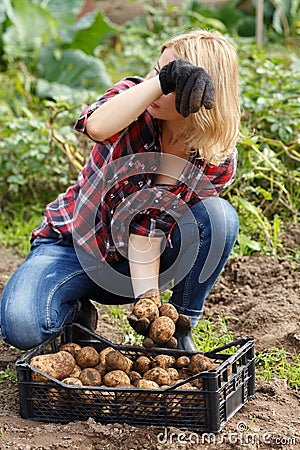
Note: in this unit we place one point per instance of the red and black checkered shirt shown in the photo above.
(115, 193)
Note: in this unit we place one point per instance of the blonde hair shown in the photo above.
(211, 134)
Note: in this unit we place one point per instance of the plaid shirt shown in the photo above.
(115, 193)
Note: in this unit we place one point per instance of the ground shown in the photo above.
(260, 296)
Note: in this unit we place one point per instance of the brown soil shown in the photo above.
(260, 296)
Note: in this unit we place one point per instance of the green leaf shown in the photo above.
(73, 68)
(65, 11)
(266, 194)
(90, 31)
(31, 24)
(61, 92)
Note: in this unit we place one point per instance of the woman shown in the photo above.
(145, 213)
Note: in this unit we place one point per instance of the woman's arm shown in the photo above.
(123, 109)
(144, 259)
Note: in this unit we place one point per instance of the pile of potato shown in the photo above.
(157, 322)
(84, 366)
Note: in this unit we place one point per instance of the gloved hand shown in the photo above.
(192, 85)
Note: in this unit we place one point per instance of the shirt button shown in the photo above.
(154, 168)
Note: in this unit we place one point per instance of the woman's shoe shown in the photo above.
(88, 315)
(185, 339)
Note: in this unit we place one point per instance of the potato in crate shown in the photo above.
(77, 374)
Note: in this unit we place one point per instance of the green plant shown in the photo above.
(16, 223)
(210, 334)
(7, 376)
(57, 47)
(277, 362)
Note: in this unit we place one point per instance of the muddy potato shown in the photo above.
(103, 354)
(58, 365)
(101, 369)
(76, 372)
(186, 385)
(199, 363)
(147, 384)
(87, 357)
(168, 310)
(161, 330)
(173, 374)
(116, 377)
(163, 361)
(142, 364)
(115, 360)
(148, 343)
(159, 375)
(197, 383)
(72, 381)
(70, 347)
(182, 362)
(171, 343)
(146, 308)
(152, 295)
(90, 377)
(134, 377)
(55, 397)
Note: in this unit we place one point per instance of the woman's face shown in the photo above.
(164, 107)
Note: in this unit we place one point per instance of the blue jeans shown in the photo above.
(47, 290)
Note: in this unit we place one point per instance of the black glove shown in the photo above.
(192, 85)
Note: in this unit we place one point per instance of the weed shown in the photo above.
(8, 376)
(277, 362)
(209, 334)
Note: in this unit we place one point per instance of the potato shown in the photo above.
(72, 381)
(142, 364)
(171, 343)
(71, 347)
(114, 360)
(163, 361)
(152, 295)
(148, 343)
(182, 362)
(55, 397)
(103, 354)
(147, 384)
(58, 365)
(116, 377)
(168, 310)
(161, 330)
(173, 374)
(87, 357)
(159, 375)
(101, 369)
(197, 383)
(145, 308)
(187, 385)
(134, 377)
(199, 363)
(76, 372)
(90, 377)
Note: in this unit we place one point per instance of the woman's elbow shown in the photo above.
(94, 131)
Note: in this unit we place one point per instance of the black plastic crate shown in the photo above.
(224, 390)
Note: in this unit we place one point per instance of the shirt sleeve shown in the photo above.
(122, 85)
(223, 175)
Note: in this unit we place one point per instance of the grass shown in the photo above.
(16, 224)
